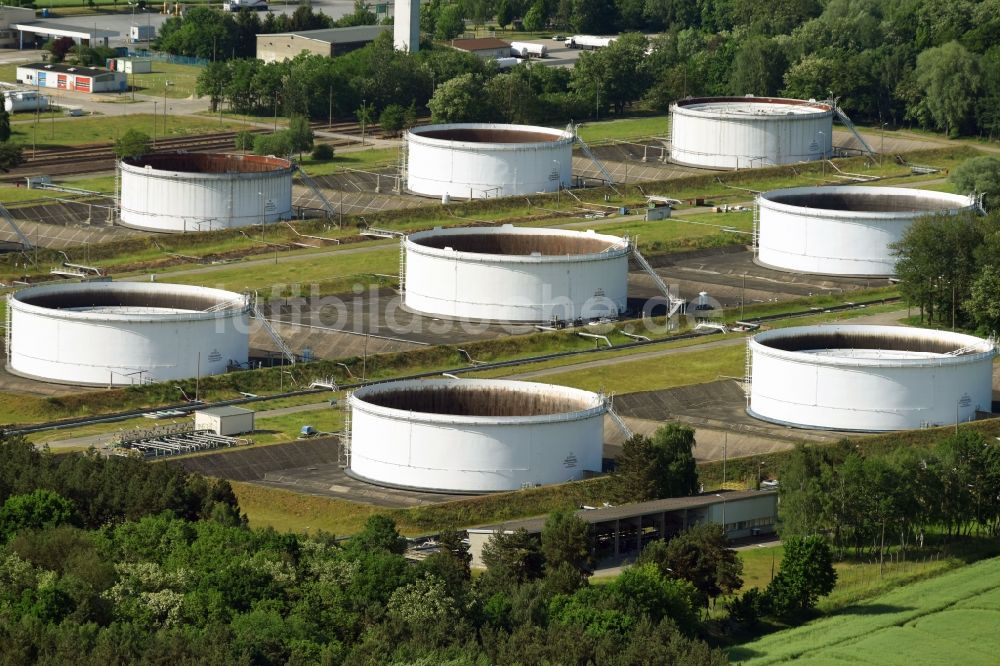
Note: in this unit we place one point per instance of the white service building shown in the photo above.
(515, 274)
(71, 78)
(483, 160)
(868, 378)
(226, 421)
(474, 435)
(749, 132)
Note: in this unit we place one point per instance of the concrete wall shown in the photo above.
(275, 48)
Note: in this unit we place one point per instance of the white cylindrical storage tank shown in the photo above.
(516, 274)
(843, 230)
(177, 192)
(749, 132)
(124, 333)
(474, 435)
(479, 161)
(869, 378)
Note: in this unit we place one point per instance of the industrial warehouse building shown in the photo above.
(71, 77)
(626, 529)
(327, 42)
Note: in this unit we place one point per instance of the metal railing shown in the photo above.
(9, 219)
(266, 325)
(601, 169)
(850, 126)
(616, 417)
(676, 303)
(314, 187)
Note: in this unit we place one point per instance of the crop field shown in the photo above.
(950, 619)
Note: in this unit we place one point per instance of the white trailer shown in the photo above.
(251, 5)
(528, 50)
(589, 42)
(142, 33)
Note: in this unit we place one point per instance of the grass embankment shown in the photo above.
(697, 366)
(697, 231)
(950, 618)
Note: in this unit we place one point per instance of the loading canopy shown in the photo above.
(92, 34)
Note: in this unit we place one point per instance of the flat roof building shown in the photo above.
(71, 77)
(326, 42)
(626, 529)
(484, 47)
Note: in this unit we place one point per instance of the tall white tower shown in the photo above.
(406, 26)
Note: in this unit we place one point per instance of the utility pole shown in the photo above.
(743, 294)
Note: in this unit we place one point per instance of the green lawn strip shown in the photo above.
(99, 130)
(625, 128)
(682, 369)
(182, 81)
(333, 273)
(855, 631)
(355, 159)
(287, 427)
(287, 511)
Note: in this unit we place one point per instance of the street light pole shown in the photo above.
(364, 118)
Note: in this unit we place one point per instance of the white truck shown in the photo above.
(528, 50)
(589, 42)
(250, 5)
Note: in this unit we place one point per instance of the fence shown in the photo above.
(168, 58)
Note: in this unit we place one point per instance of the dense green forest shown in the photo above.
(117, 561)
(919, 63)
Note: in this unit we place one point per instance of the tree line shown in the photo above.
(949, 265)
(866, 504)
(212, 34)
(899, 62)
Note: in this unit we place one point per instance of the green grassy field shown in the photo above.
(950, 619)
(181, 78)
(84, 130)
(681, 369)
(625, 128)
(334, 273)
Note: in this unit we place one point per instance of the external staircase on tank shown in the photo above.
(275, 336)
(677, 304)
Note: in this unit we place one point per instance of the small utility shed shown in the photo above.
(626, 529)
(225, 420)
(484, 47)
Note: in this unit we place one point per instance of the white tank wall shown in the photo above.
(738, 133)
(177, 201)
(478, 170)
(492, 287)
(868, 394)
(839, 242)
(103, 347)
(474, 454)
